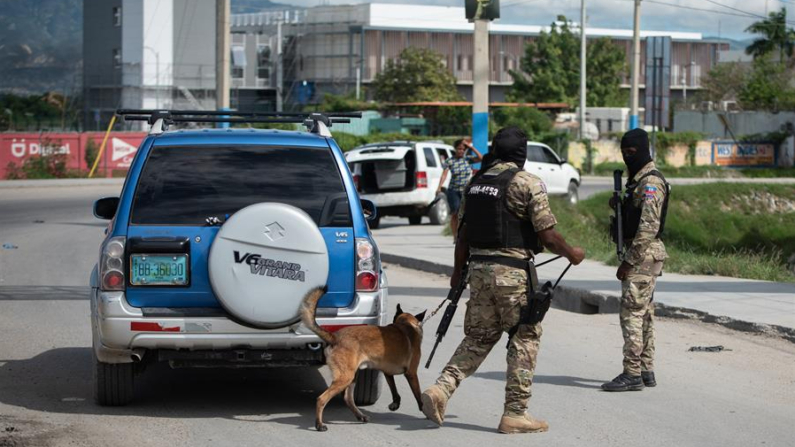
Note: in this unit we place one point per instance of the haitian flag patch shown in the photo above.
(649, 191)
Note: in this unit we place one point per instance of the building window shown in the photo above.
(264, 62)
(117, 16)
(116, 58)
(238, 61)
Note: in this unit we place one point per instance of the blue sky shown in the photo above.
(727, 18)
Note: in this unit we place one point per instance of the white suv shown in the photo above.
(561, 178)
(401, 178)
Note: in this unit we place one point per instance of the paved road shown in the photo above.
(741, 397)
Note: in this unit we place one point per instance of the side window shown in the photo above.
(534, 154)
(549, 156)
(430, 160)
(443, 155)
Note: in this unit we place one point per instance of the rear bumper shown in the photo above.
(419, 198)
(122, 333)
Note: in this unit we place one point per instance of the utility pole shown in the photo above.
(222, 54)
(633, 111)
(583, 66)
(480, 87)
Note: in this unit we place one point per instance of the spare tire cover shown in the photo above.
(263, 261)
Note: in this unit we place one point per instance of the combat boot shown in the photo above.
(648, 378)
(624, 382)
(510, 424)
(434, 403)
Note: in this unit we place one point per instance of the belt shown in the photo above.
(522, 264)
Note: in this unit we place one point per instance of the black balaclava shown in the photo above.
(639, 139)
(510, 145)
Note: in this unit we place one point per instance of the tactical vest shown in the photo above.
(489, 223)
(631, 213)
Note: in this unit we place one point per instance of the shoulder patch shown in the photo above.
(649, 191)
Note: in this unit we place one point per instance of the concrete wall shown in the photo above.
(677, 156)
(742, 123)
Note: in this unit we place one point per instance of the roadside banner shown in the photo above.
(15, 148)
(731, 154)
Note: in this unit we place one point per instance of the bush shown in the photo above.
(92, 150)
(40, 167)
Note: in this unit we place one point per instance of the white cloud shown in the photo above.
(670, 16)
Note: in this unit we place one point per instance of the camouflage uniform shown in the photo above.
(498, 293)
(646, 254)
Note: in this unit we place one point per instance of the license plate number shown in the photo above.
(159, 270)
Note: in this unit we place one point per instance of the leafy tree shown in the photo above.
(418, 74)
(775, 36)
(550, 70)
(724, 82)
(768, 87)
(529, 119)
(606, 64)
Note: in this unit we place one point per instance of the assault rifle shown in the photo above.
(453, 296)
(616, 221)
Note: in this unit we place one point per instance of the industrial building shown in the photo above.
(335, 48)
(161, 53)
(147, 54)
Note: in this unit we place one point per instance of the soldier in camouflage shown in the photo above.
(645, 206)
(499, 291)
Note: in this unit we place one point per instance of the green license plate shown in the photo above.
(159, 270)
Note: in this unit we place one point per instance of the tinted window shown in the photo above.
(430, 161)
(549, 156)
(535, 154)
(185, 185)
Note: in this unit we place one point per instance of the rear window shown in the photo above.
(186, 185)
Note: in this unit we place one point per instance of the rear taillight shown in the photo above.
(367, 266)
(422, 180)
(356, 181)
(111, 265)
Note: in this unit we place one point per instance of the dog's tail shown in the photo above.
(308, 308)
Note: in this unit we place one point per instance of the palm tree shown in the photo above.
(775, 34)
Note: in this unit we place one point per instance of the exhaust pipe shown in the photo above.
(314, 346)
(137, 355)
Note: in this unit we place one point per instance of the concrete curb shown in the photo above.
(583, 301)
(55, 183)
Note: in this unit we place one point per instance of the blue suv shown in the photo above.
(215, 240)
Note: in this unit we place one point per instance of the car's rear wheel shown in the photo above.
(368, 387)
(375, 223)
(440, 211)
(572, 194)
(415, 220)
(114, 383)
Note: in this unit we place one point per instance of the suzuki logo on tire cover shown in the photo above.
(274, 232)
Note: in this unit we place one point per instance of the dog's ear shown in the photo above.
(399, 310)
(420, 316)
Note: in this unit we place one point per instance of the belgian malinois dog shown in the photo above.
(393, 349)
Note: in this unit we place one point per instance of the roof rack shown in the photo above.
(317, 123)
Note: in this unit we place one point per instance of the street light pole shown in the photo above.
(634, 122)
(582, 69)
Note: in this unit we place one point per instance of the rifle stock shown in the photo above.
(453, 296)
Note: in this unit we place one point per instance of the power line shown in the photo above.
(744, 14)
(750, 14)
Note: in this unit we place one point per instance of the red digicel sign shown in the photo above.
(15, 148)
